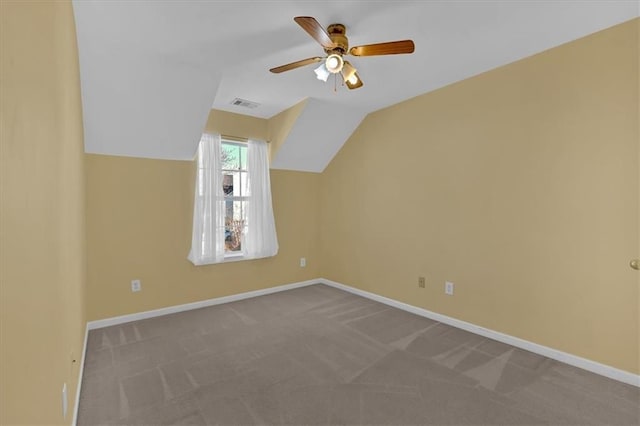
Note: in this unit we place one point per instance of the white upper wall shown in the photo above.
(151, 71)
(317, 135)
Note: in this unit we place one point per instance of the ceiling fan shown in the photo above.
(335, 44)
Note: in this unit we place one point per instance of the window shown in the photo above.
(232, 215)
(234, 187)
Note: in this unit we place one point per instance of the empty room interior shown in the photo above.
(279, 212)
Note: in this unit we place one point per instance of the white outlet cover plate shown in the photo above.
(136, 285)
(448, 288)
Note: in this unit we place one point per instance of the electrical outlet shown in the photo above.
(136, 285)
(448, 288)
(422, 282)
(303, 262)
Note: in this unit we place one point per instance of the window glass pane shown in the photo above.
(243, 157)
(234, 225)
(230, 156)
(234, 184)
(227, 183)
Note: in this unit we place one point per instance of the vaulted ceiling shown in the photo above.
(152, 70)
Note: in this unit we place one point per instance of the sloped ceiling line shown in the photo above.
(151, 71)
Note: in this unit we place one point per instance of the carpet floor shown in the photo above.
(319, 355)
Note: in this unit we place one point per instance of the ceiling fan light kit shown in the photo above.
(354, 82)
(335, 44)
(322, 73)
(334, 63)
(349, 73)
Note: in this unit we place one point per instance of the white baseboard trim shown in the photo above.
(107, 322)
(576, 361)
(80, 376)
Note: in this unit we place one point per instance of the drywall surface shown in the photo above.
(319, 130)
(238, 125)
(519, 185)
(279, 126)
(42, 230)
(140, 213)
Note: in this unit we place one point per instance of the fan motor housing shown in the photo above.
(338, 34)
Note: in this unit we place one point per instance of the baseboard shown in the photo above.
(107, 322)
(576, 361)
(80, 376)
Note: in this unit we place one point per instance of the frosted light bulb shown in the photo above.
(334, 63)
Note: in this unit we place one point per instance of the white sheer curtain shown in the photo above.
(260, 239)
(207, 240)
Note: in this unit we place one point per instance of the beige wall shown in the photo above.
(42, 240)
(139, 215)
(519, 185)
(242, 126)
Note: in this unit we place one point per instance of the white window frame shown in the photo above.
(208, 239)
(235, 255)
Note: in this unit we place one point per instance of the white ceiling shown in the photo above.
(151, 70)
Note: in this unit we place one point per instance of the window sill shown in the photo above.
(234, 257)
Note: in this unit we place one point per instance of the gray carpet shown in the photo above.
(318, 355)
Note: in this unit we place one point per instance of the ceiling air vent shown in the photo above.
(244, 103)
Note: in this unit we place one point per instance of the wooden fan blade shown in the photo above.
(294, 65)
(315, 30)
(355, 85)
(388, 48)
